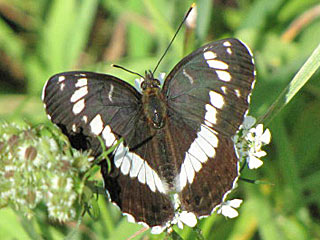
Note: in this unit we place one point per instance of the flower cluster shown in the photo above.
(35, 169)
(228, 208)
(248, 142)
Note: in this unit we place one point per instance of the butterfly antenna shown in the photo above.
(127, 70)
(165, 52)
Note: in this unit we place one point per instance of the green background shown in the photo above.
(39, 38)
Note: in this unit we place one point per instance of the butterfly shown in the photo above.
(177, 156)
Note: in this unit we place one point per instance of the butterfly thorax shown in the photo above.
(154, 107)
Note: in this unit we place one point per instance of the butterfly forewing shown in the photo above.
(85, 105)
(213, 84)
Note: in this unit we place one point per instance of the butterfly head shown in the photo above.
(149, 83)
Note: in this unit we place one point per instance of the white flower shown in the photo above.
(249, 140)
(137, 84)
(187, 218)
(227, 208)
(248, 122)
(182, 217)
(161, 77)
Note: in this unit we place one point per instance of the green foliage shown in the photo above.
(40, 38)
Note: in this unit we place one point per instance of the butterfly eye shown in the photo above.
(157, 82)
(143, 86)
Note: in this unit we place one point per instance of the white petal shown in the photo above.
(254, 162)
(235, 203)
(260, 154)
(259, 130)
(157, 229)
(161, 77)
(228, 211)
(137, 84)
(188, 218)
(266, 137)
(248, 122)
(180, 224)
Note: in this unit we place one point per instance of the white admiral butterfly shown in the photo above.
(177, 140)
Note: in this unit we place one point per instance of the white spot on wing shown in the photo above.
(110, 92)
(126, 164)
(188, 76)
(195, 162)
(78, 107)
(182, 177)
(202, 148)
(82, 82)
(142, 174)
(136, 166)
(227, 44)
(224, 89)
(96, 125)
(189, 170)
(209, 124)
(217, 64)
(211, 114)
(108, 136)
(74, 128)
(159, 185)
(209, 55)
(78, 94)
(223, 75)
(149, 178)
(133, 165)
(237, 92)
(229, 51)
(216, 99)
(62, 85)
(210, 137)
(85, 119)
(204, 141)
(119, 155)
(197, 152)
(61, 79)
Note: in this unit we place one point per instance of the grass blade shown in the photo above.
(299, 80)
